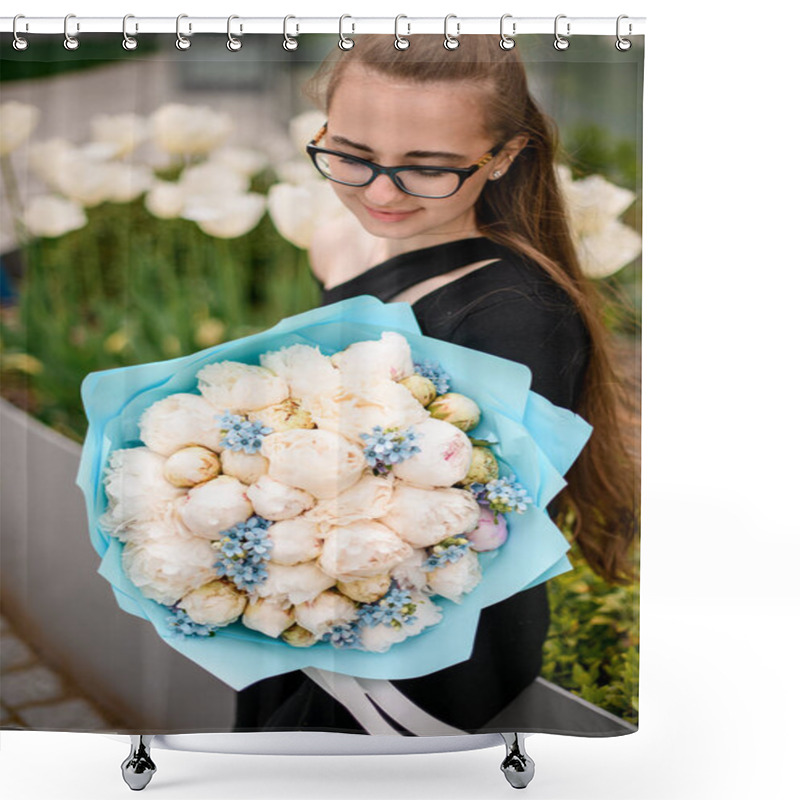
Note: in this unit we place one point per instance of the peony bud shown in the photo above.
(297, 636)
(325, 611)
(488, 534)
(457, 409)
(367, 590)
(282, 416)
(191, 465)
(245, 467)
(267, 617)
(422, 388)
(216, 603)
(483, 467)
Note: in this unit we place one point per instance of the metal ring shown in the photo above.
(70, 42)
(19, 42)
(400, 42)
(128, 42)
(182, 43)
(560, 43)
(233, 44)
(344, 42)
(450, 42)
(623, 44)
(288, 42)
(506, 42)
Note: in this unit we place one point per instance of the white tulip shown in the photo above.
(242, 160)
(245, 467)
(324, 612)
(424, 517)
(456, 578)
(304, 127)
(443, 459)
(125, 132)
(274, 500)
(165, 199)
(608, 251)
(165, 569)
(52, 216)
(47, 159)
(189, 130)
(215, 603)
(180, 420)
(17, 121)
(215, 506)
(267, 617)
(298, 171)
(295, 541)
(226, 217)
(126, 182)
(293, 585)
(237, 387)
(321, 463)
(361, 550)
(297, 210)
(191, 465)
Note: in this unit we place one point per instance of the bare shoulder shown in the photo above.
(340, 249)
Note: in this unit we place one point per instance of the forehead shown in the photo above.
(395, 115)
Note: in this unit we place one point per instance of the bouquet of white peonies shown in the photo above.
(317, 494)
(315, 498)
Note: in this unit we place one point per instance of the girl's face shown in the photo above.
(394, 123)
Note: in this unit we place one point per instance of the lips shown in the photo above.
(389, 216)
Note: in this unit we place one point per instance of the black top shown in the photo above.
(510, 308)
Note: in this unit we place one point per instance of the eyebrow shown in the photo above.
(438, 154)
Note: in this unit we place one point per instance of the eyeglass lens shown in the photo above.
(426, 182)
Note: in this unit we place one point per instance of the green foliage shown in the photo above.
(591, 150)
(593, 645)
(129, 288)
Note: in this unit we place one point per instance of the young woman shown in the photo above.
(447, 166)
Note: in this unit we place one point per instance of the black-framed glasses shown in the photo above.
(417, 180)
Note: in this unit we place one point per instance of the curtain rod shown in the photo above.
(294, 25)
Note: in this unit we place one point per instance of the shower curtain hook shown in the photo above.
(560, 43)
(506, 42)
(623, 44)
(19, 42)
(70, 42)
(344, 42)
(233, 44)
(128, 42)
(400, 42)
(451, 42)
(182, 43)
(288, 42)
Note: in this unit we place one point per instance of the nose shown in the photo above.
(382, 191)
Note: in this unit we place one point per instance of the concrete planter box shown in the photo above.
(54, 596)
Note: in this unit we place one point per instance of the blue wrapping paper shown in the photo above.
(537, 441)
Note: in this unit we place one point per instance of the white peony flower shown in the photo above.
(166, 528)
(267, 617)
(368, 498)
(245, 467)
(366, 590)
(424, 517)
(444, 457)
(215, 506)
(167, 568)
(457, 578)
(237, 387)
(124, 132)
(324, 611)
(180, 420)
(183, 129)
(409, 573)
(136, 488)
(215, 603)
(274, 500)
(305, 369)
(17, 121)
(379, 638)
(293, 585)
(282, 416)
(241, 160)
(364, 362)
(52, 216)
(351, 412)
(361, 550)
(320, 462)
(295, 541)
(427, 613)
(226, 216)
(297, 210)
(593, 204)
(191, 465)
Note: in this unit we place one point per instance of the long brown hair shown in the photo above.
(525, 212)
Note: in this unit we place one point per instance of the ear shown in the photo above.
(512, 149)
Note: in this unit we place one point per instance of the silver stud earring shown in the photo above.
(497, 173)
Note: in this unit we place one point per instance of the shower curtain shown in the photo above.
(183, 275)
